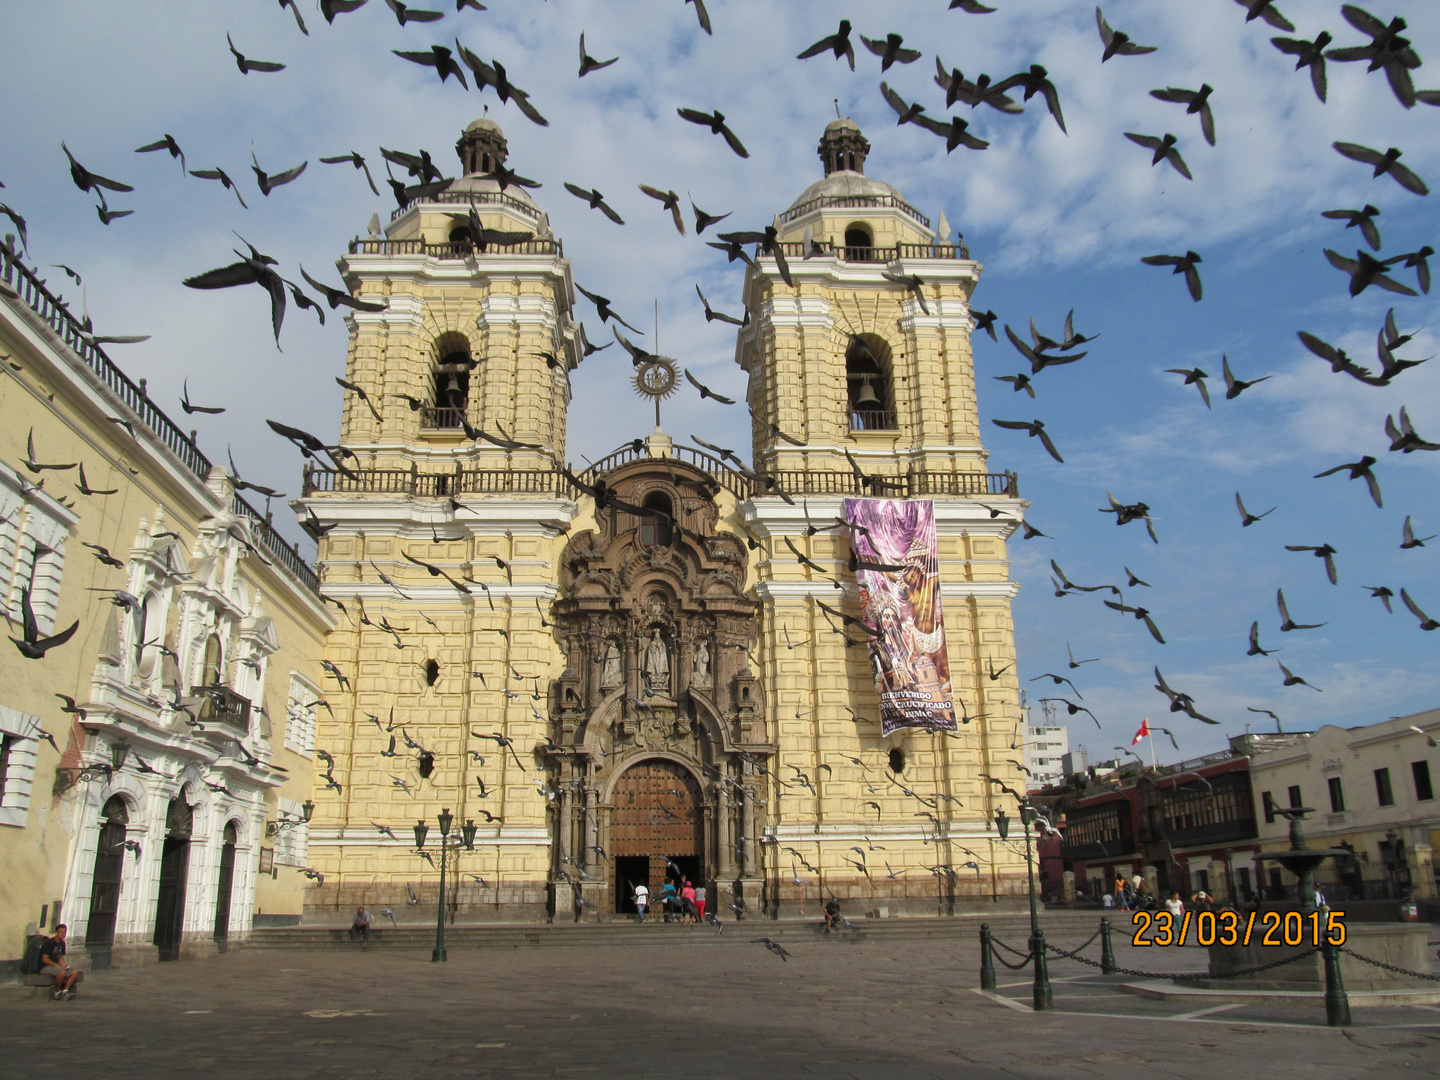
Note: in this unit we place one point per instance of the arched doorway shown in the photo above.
(105, 885)
(174, 871)
(223, 887)
(657, 820)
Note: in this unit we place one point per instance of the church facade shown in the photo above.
(631, 673)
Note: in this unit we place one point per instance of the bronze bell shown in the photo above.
(452, 388)
(866, 399)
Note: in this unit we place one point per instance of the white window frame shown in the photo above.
(292, 843)
(20, 767)
(31, 517)
(300, 714)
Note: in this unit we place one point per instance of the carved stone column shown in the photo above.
(726, 868)
(747, 829)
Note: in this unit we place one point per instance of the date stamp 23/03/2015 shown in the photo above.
(1267, 929)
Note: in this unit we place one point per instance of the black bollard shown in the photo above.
(1107, 949)
(1041, 996)
(987, 959)
(1337, 1005)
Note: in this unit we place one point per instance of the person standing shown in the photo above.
(53, 963)
(700, 902)
(687, 903)
(1175, 906)
(642, 900)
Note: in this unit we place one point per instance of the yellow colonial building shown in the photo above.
(627, 674)
(155, 763)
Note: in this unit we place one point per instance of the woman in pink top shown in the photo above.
(687, 898)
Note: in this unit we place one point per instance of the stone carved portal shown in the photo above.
(656, 627)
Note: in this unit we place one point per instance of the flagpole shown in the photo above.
(1150, 737)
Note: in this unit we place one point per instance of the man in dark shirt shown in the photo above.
(52, 962)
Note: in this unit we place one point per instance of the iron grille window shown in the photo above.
(1383, 792)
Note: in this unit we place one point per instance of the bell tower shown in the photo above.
(440, 537)
(862, 385)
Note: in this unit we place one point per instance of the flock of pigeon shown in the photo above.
(1385, 51)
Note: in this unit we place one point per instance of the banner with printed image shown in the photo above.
(901, 601)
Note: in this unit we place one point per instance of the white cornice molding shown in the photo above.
(979, 590)
(433, 596)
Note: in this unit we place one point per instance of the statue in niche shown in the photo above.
(611, 675)
(657, 664)
(700, 668)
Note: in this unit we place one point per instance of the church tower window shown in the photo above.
(450, 382)
(859, 243)
(655, 530)
(867, 375)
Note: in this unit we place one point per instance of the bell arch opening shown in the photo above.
(869, 384)
(450, 381)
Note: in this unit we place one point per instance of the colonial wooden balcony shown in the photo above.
(223, 708)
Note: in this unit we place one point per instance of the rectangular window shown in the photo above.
(1383, 791)
(292, 842)
(1420, 770)
(300, 711)
(1295, 799)
(1337, 796)
(1268, 802)
(33, 530)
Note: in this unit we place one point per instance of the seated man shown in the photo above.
(832, 914)
(360, 927)
(53, 962)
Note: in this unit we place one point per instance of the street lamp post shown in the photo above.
(467, 834)
(1041, 996)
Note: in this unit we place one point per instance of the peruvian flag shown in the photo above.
(1143, 733)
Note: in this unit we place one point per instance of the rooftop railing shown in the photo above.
(476, 198)
(413, 482)
(460, 249)
(857, 201)
(33, 292)
(276, 544)
(869, 254)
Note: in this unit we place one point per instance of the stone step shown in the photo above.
(1013, 927)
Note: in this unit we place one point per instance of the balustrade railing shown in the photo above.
(459, 249)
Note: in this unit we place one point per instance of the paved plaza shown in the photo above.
(837, 1007)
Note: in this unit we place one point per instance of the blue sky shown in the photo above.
(1059, 222)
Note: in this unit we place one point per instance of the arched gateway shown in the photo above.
(657, 829)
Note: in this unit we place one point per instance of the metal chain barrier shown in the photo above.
(1016, 967)
(1188, 976)
(1078, 948)
(1027, 957)
(1390, 967)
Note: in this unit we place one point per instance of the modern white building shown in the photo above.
(1045, 745)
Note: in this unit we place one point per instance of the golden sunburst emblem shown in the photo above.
(656, 378)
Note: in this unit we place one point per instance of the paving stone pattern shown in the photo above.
(837, 1008)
